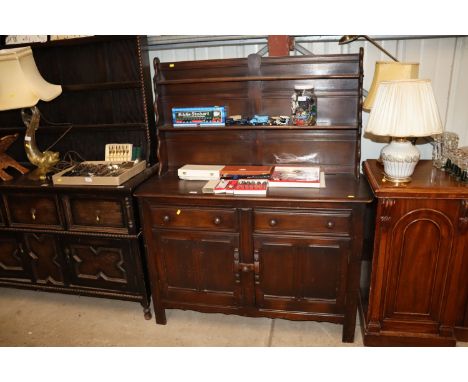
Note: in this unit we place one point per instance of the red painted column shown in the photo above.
(280, 45)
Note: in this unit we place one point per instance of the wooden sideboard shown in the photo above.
(292, 254)
(415, 288)
(81, 239)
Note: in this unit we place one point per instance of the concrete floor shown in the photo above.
(31, 318)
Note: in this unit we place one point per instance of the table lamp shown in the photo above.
(21, 87)
(402, 109)
(384, 70)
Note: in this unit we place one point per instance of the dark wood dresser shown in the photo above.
(415, 286)
(292, 254)
(81, 239)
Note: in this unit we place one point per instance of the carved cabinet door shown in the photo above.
(101, 262)
(197, 267)
(46, 259)
(13, 264)
(301, 273)
(417, 261)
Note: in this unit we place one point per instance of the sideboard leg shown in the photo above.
(160, 316)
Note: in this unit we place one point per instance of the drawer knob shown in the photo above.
(273, 222)
(330, 225)
(166, 219)
(217, 220)
(98, 219)
(33, 213)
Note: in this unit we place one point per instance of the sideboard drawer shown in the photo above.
(306, 222)
(106, 214)
(28, 210)
(197, 218)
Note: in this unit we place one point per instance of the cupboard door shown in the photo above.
(300, 273)
(102, 263)
(45, 257)
(419, 249)
(197, 268)
(12, 261)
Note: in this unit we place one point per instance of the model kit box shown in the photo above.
(199, 172)
(198, 116)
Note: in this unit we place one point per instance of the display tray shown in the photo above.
(98, 173)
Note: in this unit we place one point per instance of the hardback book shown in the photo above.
(284, 176)
(246, 171)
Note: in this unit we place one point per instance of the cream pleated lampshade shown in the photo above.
(21, 84)
(405, 108)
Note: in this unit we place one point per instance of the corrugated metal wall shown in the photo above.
(444, 60)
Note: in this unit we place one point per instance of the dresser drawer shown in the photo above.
(304, 221)
(27, 210)
(197, 218)
(106, 214)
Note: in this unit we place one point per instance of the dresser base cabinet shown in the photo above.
(258, 257)
(417, 278)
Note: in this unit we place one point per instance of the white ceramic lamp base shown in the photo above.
(399, 159)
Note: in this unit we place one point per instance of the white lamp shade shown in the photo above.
(389, 71)
(21, 84)
(405, 108)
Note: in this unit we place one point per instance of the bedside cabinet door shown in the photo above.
(13, 264)
(417, 247)
(102, 263)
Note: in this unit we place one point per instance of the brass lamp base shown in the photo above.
(39, 173)
(392, 179)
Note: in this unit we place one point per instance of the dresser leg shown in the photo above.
(349, 324)
(147, 313)
(160, 316)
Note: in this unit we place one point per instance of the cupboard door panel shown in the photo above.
(12, 263)
(45, 257)
(197, 267)
(301, 273)
(418, 269)
(102, 263)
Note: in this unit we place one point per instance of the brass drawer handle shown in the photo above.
(98, 219)
(330, 225)
(33, 213)
(166, 219)
(273, 222)
(217, 220)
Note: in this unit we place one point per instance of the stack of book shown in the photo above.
(253, 180)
